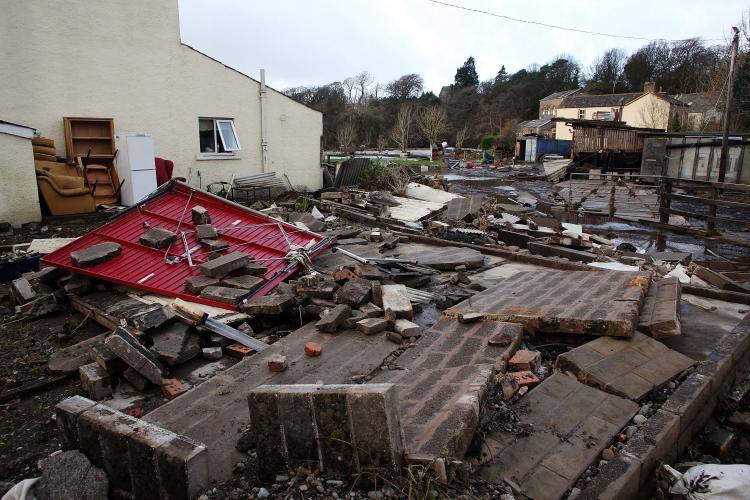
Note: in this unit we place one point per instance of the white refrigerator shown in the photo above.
(135, 166)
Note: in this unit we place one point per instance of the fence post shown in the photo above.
(711, 221)
(665, 199)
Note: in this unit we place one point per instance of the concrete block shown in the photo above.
(224, 294)
(158, 237)
(67, 412)
(269, 304)
(331, 321)
(89, 431)
(246, 282)
(151, 318)
(212, 353)
(354, 293)
(95, 381)
(104, 357)
(407, 328)
(200, 215)
(127, 347)
(370, 326)
(196, 284)
(396, 303)
(22, 290)
(176, 343)
(205, 232)
(95, 254)
(254, 269)
(224, 265)
(115, 429)
(142, 447)
(371, 310)
(135, 379)
(183, 468)
(215, 246)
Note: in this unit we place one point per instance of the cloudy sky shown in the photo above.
(312, 42)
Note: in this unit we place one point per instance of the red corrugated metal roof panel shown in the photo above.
(265, 239)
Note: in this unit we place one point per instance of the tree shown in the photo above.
(405, 87)
(345, 135)
(402, 126)
(607, 72)
(502, 76)
(362, 82)
(432, 122)
(466, 75)
(350, 86)
(461, 135)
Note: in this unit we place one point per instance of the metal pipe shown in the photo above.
(263, 121)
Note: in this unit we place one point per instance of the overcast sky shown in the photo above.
(312, 42)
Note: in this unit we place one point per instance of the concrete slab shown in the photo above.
(572, 424)
(216, 411)
(463, 208)
(626, 367)
(660, 315)
(594, 303)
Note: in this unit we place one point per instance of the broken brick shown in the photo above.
(95, 254)
(370, 326)
(212, 353)
(343, 274)
(277, 363)
(371, 310)
(526, 379)
(196, 284)
(172, 387)
(470, 317)
(269, 304)
(158, 237)
(205, 232)
(331, 321)
(238, 350)
(525, 360)
(394, 337)
(225, 295)
(245, 282)
(200, 215)
(313, 349)
(224, 265)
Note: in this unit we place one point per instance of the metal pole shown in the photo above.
(728, 104)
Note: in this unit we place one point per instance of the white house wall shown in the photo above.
(124, 60)
(19, 202)
(647, 111)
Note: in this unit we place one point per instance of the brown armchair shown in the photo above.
(64, 194)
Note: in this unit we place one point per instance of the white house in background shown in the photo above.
(18, 192)
(124, 60)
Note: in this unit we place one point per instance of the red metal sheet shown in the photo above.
(265, 239)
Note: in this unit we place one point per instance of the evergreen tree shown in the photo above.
(466, 75)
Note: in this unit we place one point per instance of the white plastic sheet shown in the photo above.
(22, 490)
(712, 482)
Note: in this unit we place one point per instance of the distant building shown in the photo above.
(543, 127)
(703, 110)
(548, 105)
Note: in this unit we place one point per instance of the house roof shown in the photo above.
(561, 94)
(699, 102)
(612, 100)
(540, 122)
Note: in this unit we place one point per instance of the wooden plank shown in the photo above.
(693, 215)
(709, 201)
(29, 388)
(710, 293)
(101, 317)
(719, 280)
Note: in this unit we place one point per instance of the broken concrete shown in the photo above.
(205, 232)
(447, 258)
(22, 290)
(371, 326)
(135, 379)
(396, 302)
(127, 347)
(68, 359)
(176, 343)
(269, 304)
(225, 295)
(254, 269)
(407, 328)
(214, 246)
(224, 265)
(152, 317)
(246, 282)
(625, 367)
(158, 237)
(354, 293)
(69, 475)
(566, 253)
(196, 284)
(95, 254)
(104, 357)
(334, 318)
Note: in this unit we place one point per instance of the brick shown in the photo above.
(22, 290)
(104, 357)
(526, 379)
(158, 237)
(95, 381)
(67, 412)
(371, 310)
(212, 353)
(525, 360)
(172, 387)
(254, 269)
(135, 379)
(225, 295)
(237, 350)
(127, 347)
(176, 343)
(245, 282)
(394, 337)
(331, 321)
(95, 254)
(343, 274)
(350, 323)
(277, 363)
(354, 293)
(269, 304)
(370, 326)
(407, 328)
(396, 303)
(313, 349)
(205, 232)
(318, 286)
(214, 246)
(470, 317)
(224, 265)
(200, 215)
(196, 284)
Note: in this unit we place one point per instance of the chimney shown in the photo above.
(649, 87)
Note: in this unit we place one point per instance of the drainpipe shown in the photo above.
(263, 125)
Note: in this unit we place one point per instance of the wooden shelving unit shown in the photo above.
(84, 134)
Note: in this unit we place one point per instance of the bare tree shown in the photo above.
(607, 70)
(382, 143)
(432, 122)
(363, 81)
(461, 135)
(350, 86)
(402, 127)
(654, 114)
(405, 87)
(345, 135)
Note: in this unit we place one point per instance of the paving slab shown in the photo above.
(660, 315)
(463, 208)
(629, 367)
(216, 412)
(448, 258)
(585, 302)
(572, 424)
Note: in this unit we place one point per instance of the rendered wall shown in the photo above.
(648, 111)
(19, 199)
(124, 60)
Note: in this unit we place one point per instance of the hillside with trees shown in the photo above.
(360, 112)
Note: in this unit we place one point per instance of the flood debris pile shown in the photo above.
(474, 339)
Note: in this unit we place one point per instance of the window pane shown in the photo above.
(228, 137)
(207, 136)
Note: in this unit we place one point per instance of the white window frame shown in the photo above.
(581, 114)
(228, 154)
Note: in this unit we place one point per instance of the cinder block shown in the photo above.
(89, 430)
(95, 381)
(67, 412)
(158, 237)
(115, 429)
(183, 468)
(224, 265)
(142, 447)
